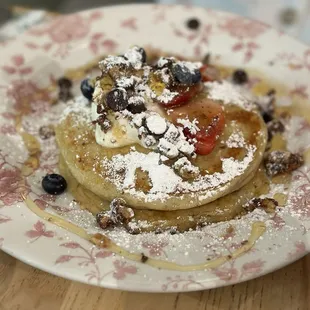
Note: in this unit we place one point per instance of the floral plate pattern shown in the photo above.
(36, 59)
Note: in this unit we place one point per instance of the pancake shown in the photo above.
(137, 174)
(223, 209)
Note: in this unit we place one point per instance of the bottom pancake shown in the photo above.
(223, 209)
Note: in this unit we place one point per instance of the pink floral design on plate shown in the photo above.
(91, 257)
(199, 40)
(155, 248)
(12, 184)
(300, 249)
(64, 30)
(25, 92)
(294, 61)
(109, 30)
(17, 66)
(38, 231)
(130, 23)
(99, 41)
(246, 32)
(4, 219)
(300, 90)
(122, 269)
(180, 282)
(232, 274)
(300, 199)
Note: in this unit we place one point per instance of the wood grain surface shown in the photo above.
(25, 288)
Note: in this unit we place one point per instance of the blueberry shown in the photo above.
(87, 89)
(184, 75)
(117, 99)
(54, 184)
(64, 83)
(193, 23)
(65, 94)
(240, 77)
(268, 117)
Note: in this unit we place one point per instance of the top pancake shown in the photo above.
(137, 174)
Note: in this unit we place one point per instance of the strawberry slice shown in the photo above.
(207, 115)
(209, 73)
(185, 94)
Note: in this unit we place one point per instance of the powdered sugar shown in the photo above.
(162, 61)
(167, 96)
(126, 82)
(163, 187)
(190, 125)
(233, 166)
(191, 66)
(165, 75)
(79, 108)
(135, 57)
(230, 94)
(111, 61)
(169, 149)
(147, 162)
(235, 140)
(183, 165)
(156, 124)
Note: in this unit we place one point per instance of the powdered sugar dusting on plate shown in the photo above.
(79, 108)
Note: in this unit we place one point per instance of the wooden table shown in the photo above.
(25, 288)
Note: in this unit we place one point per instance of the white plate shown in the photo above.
(29, 64)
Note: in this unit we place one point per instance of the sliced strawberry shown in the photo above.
(205, 147)
(209, 73)
(185, 94)
(209, 118)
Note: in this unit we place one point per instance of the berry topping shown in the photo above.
(208, 117)
(268, 117)
(185, 93)
(240, 77)
(117, 99)
(156, 124)
(184, 75)
(87, 89)
(54, 184)
(136, 104)
(64, 83)
(193, 23)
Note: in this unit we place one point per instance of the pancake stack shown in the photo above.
(166, 190)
